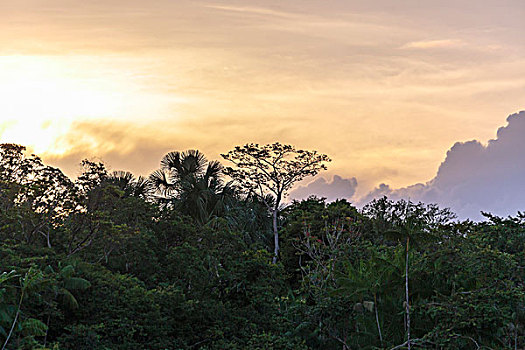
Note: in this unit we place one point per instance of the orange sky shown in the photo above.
(384, 88)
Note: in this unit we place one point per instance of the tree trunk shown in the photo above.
(16, 317)
(407, 300)
(275, 213)
(47, 330)
(48, 240)
(377, 321)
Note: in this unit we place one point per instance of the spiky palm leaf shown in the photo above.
(193, 184)
(33, 327)
(161, 183)
(131, 186)
(142, 187)
(188, 163)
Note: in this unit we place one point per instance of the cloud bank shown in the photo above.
(331, 190)
(475, 177)
(472, 178)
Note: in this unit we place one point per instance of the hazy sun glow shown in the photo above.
(42, 96)
(385, 88)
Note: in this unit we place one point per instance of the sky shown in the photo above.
(394, 92)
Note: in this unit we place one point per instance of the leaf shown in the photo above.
(67, 271)
(7, 275)
(69, 299)
(76, 283)
(32, 326)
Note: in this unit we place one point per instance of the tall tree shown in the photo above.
(194, 182)
(270, 171)
(410, 224)
(34, 197)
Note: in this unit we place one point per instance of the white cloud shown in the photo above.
(251, 10)
(338, 188)
(433, 44)
(474, 177)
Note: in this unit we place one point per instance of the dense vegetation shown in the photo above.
(183, 260)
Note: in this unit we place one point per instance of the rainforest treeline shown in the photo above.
(187, 259)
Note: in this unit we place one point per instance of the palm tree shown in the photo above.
(65, 284)
(131, 186)
(368, 277)
(192, 184)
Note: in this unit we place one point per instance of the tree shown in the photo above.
(130, 185)
(26, 327)
(270, 171)
(194, 182)
(409, 222)
(34, 197)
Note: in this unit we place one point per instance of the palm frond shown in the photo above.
(171, 161)
(76, 283)
(193, 163)
(160, 182)
(142, 187)
(67, 271)
(34, 327)
(69, 299)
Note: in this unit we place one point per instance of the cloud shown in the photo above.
(137, 148)
(475, 177)
(338, 188)
(331, 78)
(433, 44)
(252, 10)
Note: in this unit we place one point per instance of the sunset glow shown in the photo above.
(384, 92)
(44, 95)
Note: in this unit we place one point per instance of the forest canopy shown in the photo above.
(187, 258)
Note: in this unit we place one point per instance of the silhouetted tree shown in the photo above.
(194, 182)
(272, 169)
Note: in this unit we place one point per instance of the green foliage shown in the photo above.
(111, 261)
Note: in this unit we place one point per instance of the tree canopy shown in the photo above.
(270, 171)
(272, 168)
(109, 261)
